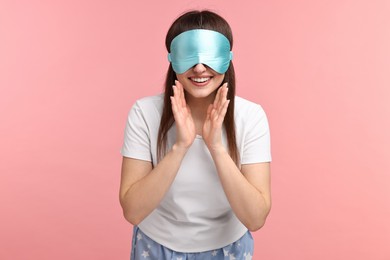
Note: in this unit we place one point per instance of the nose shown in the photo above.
(199, 68)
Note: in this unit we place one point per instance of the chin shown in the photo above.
(200, 94)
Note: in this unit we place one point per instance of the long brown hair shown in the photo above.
(188, 21)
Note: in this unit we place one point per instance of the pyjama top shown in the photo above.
(195, 215)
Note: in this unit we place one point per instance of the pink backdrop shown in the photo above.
(70, 71)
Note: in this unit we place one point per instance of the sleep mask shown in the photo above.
(200, 46)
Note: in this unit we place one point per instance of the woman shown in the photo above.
(195, 172)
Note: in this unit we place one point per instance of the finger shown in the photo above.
(214, 114)
(174, 106)
(221, 115)
(223, 98)
(217, 97)
(223, 95)
(226, 90)
(174, 99)
(182, 97)
(183, 102)
(176, 89)
(178, 98)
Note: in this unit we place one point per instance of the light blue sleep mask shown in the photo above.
(200, 46)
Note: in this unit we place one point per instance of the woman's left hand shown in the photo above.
(212, 128)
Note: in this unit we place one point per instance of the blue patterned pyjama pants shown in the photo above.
(144, 248)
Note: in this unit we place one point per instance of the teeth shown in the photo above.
(200, 80)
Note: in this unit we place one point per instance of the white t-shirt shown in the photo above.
(195, 215)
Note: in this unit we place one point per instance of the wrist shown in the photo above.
(217, 149)
(180, 149)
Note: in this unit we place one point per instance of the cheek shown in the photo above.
(181, 76)
(219, 79)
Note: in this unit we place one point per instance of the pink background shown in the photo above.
(70, 71)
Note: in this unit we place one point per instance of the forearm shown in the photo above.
(146, 194)
(249, 204)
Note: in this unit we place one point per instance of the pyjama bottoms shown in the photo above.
(144, 248)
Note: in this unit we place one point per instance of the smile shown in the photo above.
(200, 80)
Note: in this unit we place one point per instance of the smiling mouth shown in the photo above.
(200, 80)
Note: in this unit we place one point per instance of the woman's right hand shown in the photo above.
(185, 127)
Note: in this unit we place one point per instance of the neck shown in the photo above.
(199, 106)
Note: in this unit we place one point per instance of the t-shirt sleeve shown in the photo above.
(136, 142)
(257, 144)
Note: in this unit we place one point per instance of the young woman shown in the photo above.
(195, 172)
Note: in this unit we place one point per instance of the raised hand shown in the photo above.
(212, 128)
(185, 127)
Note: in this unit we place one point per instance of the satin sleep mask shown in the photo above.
(200, 46)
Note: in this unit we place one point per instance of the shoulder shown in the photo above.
(150, 105)
(244, 108)
(148, 108)
(150, 102)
